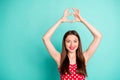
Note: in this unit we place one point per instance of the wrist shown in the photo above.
(61, 20)
(81, 19)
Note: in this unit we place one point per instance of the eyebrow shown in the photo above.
(69, 39)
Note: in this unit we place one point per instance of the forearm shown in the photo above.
(48, 35)
(93, 30)
(96, 40)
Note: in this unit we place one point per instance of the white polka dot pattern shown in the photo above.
(73, 75)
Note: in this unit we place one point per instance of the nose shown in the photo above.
(71, 44)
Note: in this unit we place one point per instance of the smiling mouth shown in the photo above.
(71, 48)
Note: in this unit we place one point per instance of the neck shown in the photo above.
(72, 58)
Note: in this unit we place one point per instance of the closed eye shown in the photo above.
(75, 41)
(67, 41)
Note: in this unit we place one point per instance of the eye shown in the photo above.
(75, 41)
(68, 41)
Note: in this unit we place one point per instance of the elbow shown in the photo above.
(98, 36)
(45, 38)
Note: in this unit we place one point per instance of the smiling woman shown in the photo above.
(72, 57)
(23, 56)
(71, 42)
(72, 61)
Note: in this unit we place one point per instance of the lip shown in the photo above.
(71, 48)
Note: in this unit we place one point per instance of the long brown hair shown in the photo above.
(80, 61)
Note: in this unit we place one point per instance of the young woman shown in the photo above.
(72, 61)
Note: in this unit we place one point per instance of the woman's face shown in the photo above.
(71, 43)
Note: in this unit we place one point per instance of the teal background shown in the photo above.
(23, 55)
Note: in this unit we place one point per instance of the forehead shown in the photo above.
(70, 37)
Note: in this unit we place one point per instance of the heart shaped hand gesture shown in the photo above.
(76, 13)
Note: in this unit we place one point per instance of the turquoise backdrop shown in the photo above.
(23, 55)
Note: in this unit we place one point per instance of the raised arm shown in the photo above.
(46, 38)
(96, 34)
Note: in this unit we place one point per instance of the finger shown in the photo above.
(70, 14)
(74, 13)
(73, 20)
(67, 11)
(74, 9)
(69, 21)
(78, 10)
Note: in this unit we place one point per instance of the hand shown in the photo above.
(66, 14)
(77, 15)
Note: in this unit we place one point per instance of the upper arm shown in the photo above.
(53, 52)
(91, 49)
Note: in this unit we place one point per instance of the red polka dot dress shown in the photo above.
(73, 75)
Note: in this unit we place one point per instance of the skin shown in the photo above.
(71, 43)
(87, 53)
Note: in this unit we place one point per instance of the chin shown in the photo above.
(72, 51)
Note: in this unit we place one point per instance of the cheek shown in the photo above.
(76, 45)
(67, 45)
